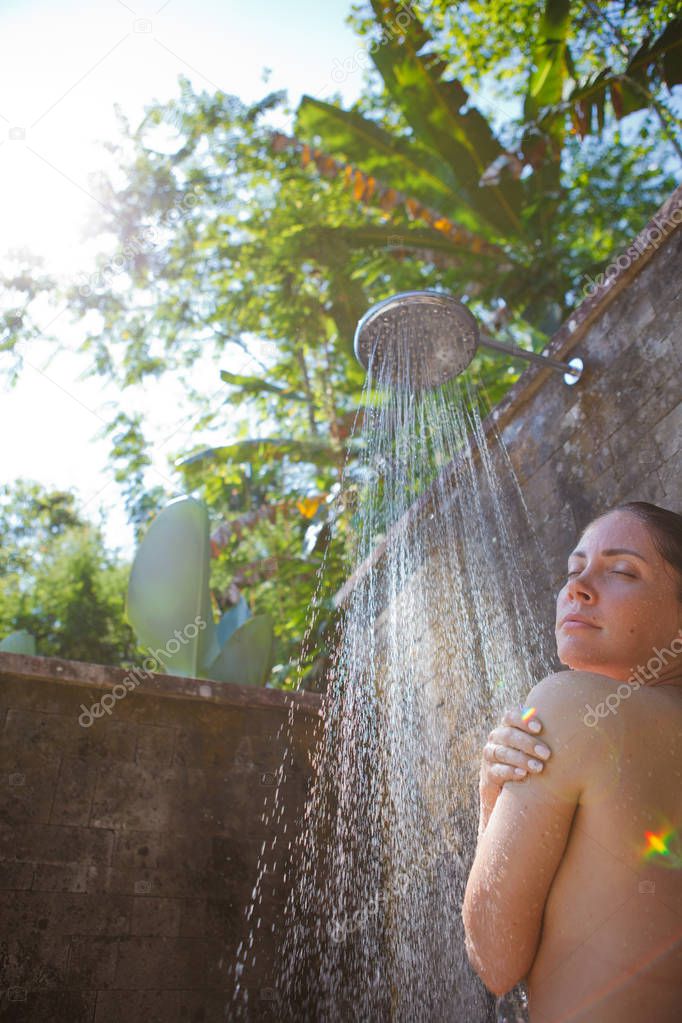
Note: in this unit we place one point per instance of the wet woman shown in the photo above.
(576, 886)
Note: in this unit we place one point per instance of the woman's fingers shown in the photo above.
(514, 716)
(512, 750)
(503, 772)
(514, 735)
(498, 754)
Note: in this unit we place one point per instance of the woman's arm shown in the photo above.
(512, 750)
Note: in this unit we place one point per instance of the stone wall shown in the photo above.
(614, 436)
(129, 846)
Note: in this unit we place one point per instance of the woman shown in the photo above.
(592, 950)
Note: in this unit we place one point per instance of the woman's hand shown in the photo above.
(512, 750)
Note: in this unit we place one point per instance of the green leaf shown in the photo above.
(543, 141)
(264, 449)
(232, 620)
(401, 163)
(545, 87)
(246, 658)
(168, 590)
(434, 107)
(254, 385)
(19, 642)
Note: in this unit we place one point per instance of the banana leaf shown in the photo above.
(317, 452)
(402, 163)
(19, 642)
(168, 590)
(254, 385)
(433, 106)
(232, 620)
(246, 658)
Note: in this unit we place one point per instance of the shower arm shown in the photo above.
(572, 369)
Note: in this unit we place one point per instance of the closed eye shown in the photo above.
(615, 570)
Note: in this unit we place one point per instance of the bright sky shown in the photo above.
(63, 66)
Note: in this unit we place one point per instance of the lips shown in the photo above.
(578, 618)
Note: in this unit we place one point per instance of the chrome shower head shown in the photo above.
(419, 339)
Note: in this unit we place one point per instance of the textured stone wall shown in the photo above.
(129, 848)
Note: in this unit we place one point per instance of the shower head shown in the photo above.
(439, 338)
(419, 339)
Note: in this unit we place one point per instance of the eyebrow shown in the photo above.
(609, 553)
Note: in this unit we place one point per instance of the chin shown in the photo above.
(572, 657)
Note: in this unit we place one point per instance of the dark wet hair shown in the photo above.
(665, 529)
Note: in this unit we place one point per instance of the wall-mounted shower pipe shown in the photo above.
(423, 338)
(572, 369)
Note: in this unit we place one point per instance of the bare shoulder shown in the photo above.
(580, 741)
(565, 700)
(569, 685)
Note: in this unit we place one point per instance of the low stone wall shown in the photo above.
(129, 847)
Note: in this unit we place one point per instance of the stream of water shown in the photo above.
(440, 634)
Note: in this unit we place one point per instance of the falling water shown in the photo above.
(439, 634)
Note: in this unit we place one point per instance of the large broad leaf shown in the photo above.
(232, 620)
(546, 83)
(19, 642)
(255, 385)
(468, 247)
(317, 452)
(168, 590)
(434, 107)
(246, 658)
(542, 144)
(403, 164)
(658, 59)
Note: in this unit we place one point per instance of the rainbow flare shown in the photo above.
(657, 844)
(527, 713)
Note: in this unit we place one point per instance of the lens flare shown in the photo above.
(663, 848)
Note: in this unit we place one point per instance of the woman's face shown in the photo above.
(630, 600)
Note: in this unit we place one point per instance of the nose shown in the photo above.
(579, 586)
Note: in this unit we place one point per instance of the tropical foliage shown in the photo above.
(58, 582)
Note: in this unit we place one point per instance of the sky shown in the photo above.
(63, 66)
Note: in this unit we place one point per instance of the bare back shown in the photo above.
(610, 950)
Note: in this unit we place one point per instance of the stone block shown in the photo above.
(32, 734)
(68, 877)
(668, 433)
(26, 793)
(148, 962)
(157, 916)
(161, 1006)
(15, 876)
(135, 795)
(64, 914)
(18, 1005)
(74, 791)
(92, 962)
(155, 745)
(55, 844)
